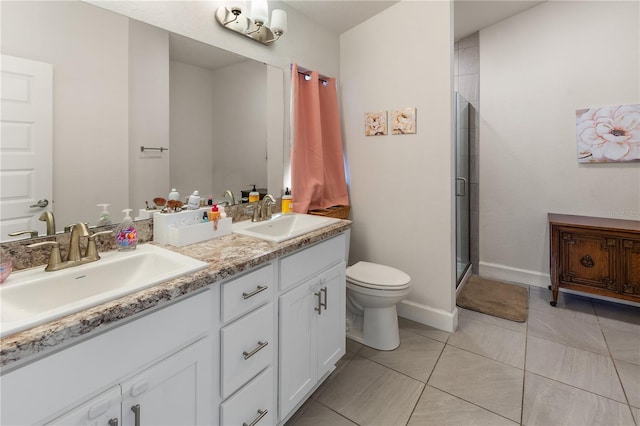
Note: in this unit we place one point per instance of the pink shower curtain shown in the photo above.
(317, 164)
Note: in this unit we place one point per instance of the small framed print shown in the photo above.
(403, 121)
(375, 123)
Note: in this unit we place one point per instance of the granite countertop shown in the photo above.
(227, 256)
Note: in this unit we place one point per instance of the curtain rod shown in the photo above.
(304, 71)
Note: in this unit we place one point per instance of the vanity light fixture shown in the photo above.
(233, 17)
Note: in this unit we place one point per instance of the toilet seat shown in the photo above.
(377, 277)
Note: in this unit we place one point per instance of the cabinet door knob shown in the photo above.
(261, 414)
(113, 422)
(587, 261)
(260, 346)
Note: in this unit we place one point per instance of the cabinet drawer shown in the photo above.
(246, 293)
(246, 348)
(255, 400)
(588, 259)
(306, 263)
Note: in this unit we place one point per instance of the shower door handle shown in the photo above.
(464, 187)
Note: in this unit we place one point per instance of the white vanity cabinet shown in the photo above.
(312, 319)
(160, 360)
(247, 349)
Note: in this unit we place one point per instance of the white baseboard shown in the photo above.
(436, 318)
(514, 275)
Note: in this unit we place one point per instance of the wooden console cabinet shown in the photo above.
(595, 255)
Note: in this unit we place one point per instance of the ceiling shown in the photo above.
(469, 15)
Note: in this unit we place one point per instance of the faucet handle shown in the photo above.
(54, 258)
(92, 251)
(31, 233)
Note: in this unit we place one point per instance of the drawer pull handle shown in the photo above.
(261, 414)
(261, 345)
(587, 262)
(254, 292)
(136, 412)
(319, 307)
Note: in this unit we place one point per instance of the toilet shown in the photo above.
(373, 291)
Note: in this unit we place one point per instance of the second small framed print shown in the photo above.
(403, 121)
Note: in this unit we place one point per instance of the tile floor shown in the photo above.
(576, 364)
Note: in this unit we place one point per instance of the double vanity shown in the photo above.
(243, 332)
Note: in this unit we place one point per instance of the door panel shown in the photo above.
(25, 144)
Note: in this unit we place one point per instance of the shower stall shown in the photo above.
(462, 173)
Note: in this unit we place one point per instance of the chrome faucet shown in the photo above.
(231, 197)
(75, 257)
(47, 217)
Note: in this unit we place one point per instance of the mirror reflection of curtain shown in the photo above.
(317, 163)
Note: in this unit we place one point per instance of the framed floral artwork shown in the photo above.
(403, 121)
(608, 134)
(375, 123)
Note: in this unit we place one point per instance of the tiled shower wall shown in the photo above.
(467, 83)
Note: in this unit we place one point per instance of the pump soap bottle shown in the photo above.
(254, 195)
(287, 201)
(105, 218)
(126, 234)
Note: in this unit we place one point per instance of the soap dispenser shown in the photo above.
(287, 201)
(254, 195)
(126, 234)
(105, 217)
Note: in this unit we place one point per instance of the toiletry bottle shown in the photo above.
(254, 195)
(205, 216)
(214, 214)
(174, 195)
(210, 200)
(105, 218)
(287, 201)
(194, 201)
(126, 234)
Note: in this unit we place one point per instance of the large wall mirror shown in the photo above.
(119, 84)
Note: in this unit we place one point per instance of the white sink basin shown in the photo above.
(32, 297)
(283, 227)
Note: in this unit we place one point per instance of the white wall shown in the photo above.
(148, 114)
(537, 68)
(90, 99)
(401, 186)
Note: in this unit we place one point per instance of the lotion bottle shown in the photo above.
(126, 234)
(287, 202)
(174, 195)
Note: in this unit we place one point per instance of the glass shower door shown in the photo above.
(463, 205)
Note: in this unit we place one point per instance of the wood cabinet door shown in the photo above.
(630, 279)
(588, 259)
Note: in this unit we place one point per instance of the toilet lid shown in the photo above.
(373, 275)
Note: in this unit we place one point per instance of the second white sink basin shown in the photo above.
(33, 297)
(282, 227)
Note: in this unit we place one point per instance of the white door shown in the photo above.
(298, 356)
(331, 324)
(26, 154)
